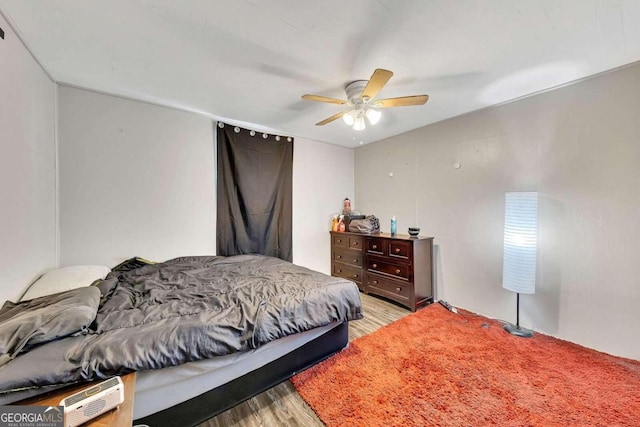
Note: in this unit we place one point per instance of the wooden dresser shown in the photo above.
(397, 267)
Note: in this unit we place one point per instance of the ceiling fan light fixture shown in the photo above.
(373, 116)
(359, 123)
(363, 103)
(348, 118)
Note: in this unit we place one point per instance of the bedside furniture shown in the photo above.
(119, 417)
(397, 267)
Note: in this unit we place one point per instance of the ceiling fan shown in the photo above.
(362, 103)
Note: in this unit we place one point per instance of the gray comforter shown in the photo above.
(187, 309)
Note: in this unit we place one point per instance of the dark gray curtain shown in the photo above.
(254, 193)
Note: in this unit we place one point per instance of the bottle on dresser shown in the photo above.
(334, 223)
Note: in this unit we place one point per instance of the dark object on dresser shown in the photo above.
(397, 267)
(365, 225)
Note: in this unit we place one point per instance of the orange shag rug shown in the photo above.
(437, 368)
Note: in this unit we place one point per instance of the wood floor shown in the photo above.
(282, 405)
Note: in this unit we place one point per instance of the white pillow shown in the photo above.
(65, 279)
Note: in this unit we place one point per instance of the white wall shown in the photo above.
(139, 180)
(27, 168)
(135, 180)
(578, 146)
(322, 178)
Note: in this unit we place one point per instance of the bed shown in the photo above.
(203, 333)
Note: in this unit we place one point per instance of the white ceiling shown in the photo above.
(248, 62)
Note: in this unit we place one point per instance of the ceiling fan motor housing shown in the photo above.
(354, 90)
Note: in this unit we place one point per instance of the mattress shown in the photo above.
(162, 388)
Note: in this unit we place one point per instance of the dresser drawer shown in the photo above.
(347, 256)
(348, 272)
(393, 289)
(400, 250)
(401, 271)
(356, 242)
(340, 240)
(376, 246)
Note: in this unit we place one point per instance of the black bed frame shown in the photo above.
(213, 402)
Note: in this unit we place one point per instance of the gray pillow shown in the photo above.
(45, 319)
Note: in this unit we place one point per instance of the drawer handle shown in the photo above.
(375, 246)
(355, 261)
(339, 256)
(355, 276)
(375, 282)
(374, 266)
(397, 250)
(397, 271)
(339, 270)
(398, 289)
(355, 243)
(339, 240)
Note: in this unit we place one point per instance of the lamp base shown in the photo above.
(518, 331)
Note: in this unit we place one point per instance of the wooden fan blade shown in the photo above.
(323, 99)
(330, 119)
(378, 79)
(403, 101)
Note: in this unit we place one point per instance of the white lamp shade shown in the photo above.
(348, 118)
(359, 123)
(520, 242)
(373, 116)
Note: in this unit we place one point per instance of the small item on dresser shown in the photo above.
(346, 205)
(394, 225)
(334, 223)
(367, 225)
(341, 225)
(414, 231)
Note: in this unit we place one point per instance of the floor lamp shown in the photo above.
(520, 250)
